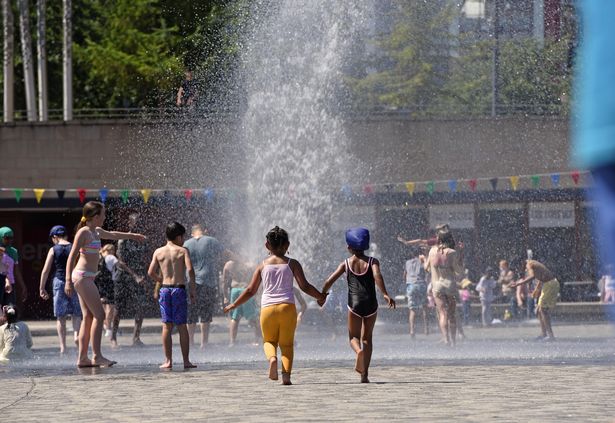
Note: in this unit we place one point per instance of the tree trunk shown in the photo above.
(7, 62)
(26, 53)
(67, 59)
(41, 50)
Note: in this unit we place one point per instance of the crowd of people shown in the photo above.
(440, 281)
(97, 285)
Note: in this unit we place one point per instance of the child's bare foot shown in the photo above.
(168, 364)
(364, 378)
(273, 368)
(360, 363)
(87, 363)
(103, 362)
(189, 365)
(286, 379)
(114, 345)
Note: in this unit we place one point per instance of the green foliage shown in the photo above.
(424, 69)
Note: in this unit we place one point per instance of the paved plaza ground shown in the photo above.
(497, 374)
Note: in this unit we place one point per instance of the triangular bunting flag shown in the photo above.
(535, 181)
(18, 193)
(60, 193)
(575, 175)
(494, 183)
(472, 183)
(124, 194)
(452, 185)
(388, 188)
(188, 194)
(555, 179)
(38, 194)
(410, 187)
(347, 191)
(514, 182)
(209, 194)
(103, 193)
(146, 193)
(430, 186)
(368, 189)
(81, 193)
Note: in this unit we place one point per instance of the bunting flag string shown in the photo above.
(564, 180)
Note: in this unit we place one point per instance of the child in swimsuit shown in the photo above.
(278, 312)
(174, 263)
(80, 278)
(363, 274)
(15, 337)
(62, 304)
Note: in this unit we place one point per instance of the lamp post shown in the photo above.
(495, 70)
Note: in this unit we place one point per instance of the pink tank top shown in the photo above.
(277, 281)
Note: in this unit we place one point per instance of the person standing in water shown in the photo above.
(235, 278)
(63, 305)
(363, 274)
(173, 261)
(444, 264)
(547, 291)
(278, 311)
(81, 268)
(416, 290)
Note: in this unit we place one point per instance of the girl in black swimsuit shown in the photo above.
(363, 274)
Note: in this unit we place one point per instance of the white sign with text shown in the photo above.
(551, 215)
(458, 216)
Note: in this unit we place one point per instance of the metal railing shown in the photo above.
(171, 113)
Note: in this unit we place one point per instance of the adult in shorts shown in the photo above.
(547, 292)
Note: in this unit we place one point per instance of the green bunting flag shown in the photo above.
(124, 194)
(430, 187)
(18, 193)
(535, 181)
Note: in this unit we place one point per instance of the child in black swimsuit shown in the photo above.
(363, 274)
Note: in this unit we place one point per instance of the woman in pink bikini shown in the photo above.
(278, 313)
(80, 277)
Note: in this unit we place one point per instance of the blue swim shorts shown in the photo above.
(173, 305)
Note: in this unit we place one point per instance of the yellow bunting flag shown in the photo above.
(514, 182)
(146, 193)
(38, 193)
(410, 187)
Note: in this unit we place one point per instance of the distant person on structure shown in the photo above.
(188, 92)
(547, 291)
(594, 140)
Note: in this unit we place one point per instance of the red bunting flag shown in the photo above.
(368, 189)
(81, 193)
(576, 175)
(188, 194)
(473, 183)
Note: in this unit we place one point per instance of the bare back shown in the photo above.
(540, 271)
(172, 262)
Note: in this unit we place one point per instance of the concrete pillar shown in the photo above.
(7, 62)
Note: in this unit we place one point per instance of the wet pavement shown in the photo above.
(496, 374)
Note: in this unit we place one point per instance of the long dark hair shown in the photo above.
(91, 209)
(11, 315)
(446, 240)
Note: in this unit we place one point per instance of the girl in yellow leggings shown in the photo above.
(278, 312)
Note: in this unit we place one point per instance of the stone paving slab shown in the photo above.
(426, 393)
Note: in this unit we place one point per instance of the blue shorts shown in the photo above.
(173, 305)
(417, 295)
(62, 304)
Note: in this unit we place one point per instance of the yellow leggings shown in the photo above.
(278, 323)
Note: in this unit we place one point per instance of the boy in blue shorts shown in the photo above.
(168, 268)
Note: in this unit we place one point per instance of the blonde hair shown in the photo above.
(108, 248)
